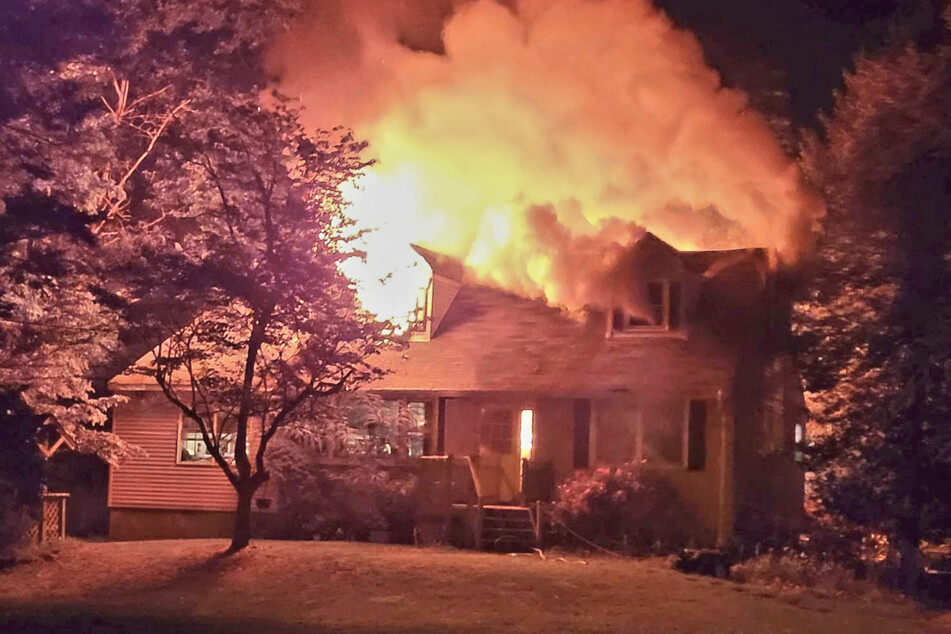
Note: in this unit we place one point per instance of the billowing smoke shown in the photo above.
(534, 139)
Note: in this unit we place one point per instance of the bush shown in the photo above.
(360, 500)
(14, 521)
(792, 569)
(341, 502)
(623, 508)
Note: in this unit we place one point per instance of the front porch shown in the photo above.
(493, 460)
(453, 508)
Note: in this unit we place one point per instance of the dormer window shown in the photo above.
(662, 310)
(421, 323)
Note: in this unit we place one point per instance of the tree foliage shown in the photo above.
(279, 326)
(150, 185)
(875, 329)
(90, 93)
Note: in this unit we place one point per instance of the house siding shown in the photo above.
(157, 481)
(444, 291)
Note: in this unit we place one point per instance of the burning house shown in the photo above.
(687, 376)
(528, 144)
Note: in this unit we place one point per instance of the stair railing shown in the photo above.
(535, 510)
(477, 521)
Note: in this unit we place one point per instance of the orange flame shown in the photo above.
(539, 142)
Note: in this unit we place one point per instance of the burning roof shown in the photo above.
(532, 139)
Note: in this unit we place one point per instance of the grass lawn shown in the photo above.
(277, 587)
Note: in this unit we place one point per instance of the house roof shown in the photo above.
(441, 264)
(491, 340)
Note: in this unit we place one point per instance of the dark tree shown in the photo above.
(147, 183)
(876, 327)
(279, 327)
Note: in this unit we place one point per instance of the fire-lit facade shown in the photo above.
(687, 375)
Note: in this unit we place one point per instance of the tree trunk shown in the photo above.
(242, 518)
(910, 567)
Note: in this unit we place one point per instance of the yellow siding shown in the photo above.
(156, 481)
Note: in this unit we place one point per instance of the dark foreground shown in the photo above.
(278, 587)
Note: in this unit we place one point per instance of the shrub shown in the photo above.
(624, 508)
(340, 502)
(14, 521)
(363, 499)
(791, 569)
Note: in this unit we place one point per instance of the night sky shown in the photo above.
(811, 41)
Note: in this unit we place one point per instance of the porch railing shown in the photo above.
(477, 521)
(444, 482)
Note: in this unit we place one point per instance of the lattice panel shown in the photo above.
(52, 519)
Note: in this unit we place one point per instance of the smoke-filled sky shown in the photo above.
(534, 139)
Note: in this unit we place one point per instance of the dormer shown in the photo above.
(444, 285)
(651, 291)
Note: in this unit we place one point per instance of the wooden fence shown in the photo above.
(52, 522)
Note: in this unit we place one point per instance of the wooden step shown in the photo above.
(506, 531)
(507, 526)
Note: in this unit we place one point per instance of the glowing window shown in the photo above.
(662, 309)
(526, 432)
(799, 435)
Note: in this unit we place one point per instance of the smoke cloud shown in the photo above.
(535, 139)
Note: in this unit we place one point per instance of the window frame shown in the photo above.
(679, 327)
(180, 441)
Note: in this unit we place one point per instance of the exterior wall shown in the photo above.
(135, 524)
(157, 481)
(554, 436)
(650, 427)
(444, 291)
(770, 483)
(699, 490)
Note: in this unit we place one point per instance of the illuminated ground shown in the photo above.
(276, 587)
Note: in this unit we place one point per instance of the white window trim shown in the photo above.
(178, 446)
(662, 330)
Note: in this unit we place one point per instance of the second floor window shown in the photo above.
(662, 309)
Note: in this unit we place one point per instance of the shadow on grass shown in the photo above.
(76, 620)
(203, 570)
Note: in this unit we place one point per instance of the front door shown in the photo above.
(498, 461)
(495, 435)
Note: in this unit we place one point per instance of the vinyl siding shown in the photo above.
(156, 481)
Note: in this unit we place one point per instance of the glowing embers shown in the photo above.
(526, 432)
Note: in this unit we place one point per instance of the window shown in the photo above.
(417, 431)
(386, 427)
(495, 432)
(799, 438)
(421, 317)
(696, 453)
(526, 432)
(663, 309)
(192, 448)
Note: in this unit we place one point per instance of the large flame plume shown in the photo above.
(535, 139)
